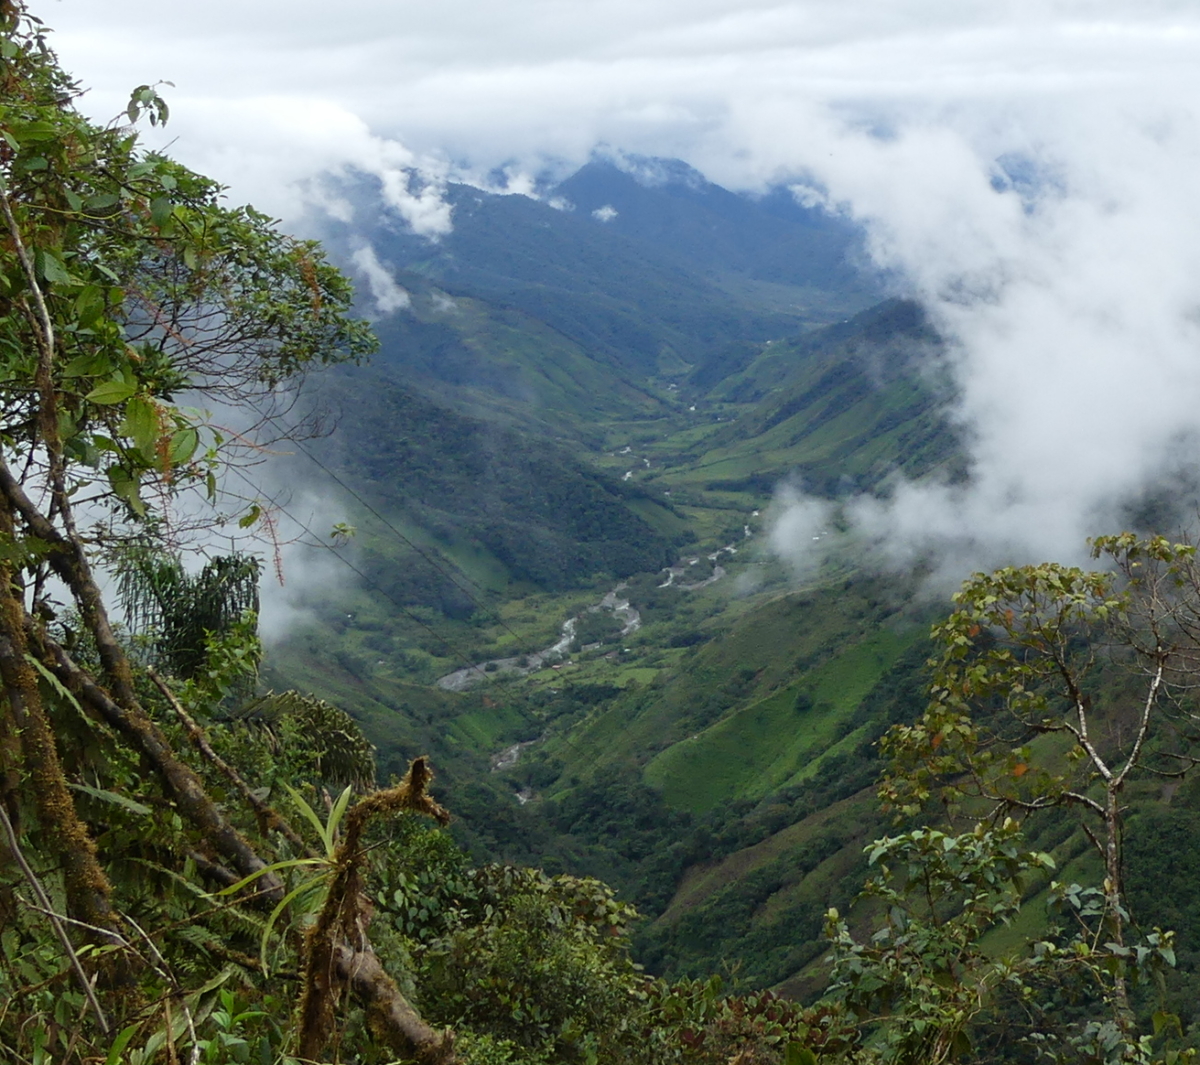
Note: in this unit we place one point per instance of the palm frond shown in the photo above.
(331, 741)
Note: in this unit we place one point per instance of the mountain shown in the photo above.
(546, 516)
(570, 440)
(672, 209)
(650, 287)
(839, 409)
(534, 340)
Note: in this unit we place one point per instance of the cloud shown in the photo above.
(389, 296)
(533, 81)
(605, 214)
(301, 570)
(1024, 167)
(279, 152)
(798, 528)
(1071, 304)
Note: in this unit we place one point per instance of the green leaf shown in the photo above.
(306, 886)
(40, 131)
(114, 798)
(160, 210)
(141, 423)
(250, 517)
(274, 867)
(125, 486)
(305, 809)
(120, 1043)
(52, 269)
(335, 817)
(64, 693)
(102, 200)
(327, 831)
(798, 1054)
(183, 446)
(1163, 1020)
(113, 391)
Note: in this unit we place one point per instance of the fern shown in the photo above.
(176, 612)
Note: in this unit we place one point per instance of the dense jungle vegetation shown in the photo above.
(195, 867)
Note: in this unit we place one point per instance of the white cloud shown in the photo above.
(275, 150)
(807, 196)
(534, 79)
(798, 529)
(311, 573)
(389, 296)
(1072, 311)
(605, 214)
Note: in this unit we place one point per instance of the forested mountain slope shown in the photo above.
(530, 473)
(675, 269)
(579, 422)
(770, 238)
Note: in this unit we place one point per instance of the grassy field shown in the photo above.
(777, 740)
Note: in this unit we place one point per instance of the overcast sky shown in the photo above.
(1029, 170)
(271, 87)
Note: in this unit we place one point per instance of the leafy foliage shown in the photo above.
(177, 611)
(325, 736)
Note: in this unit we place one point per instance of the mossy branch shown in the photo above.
(180, 782)
(339, 955)
(14, 846)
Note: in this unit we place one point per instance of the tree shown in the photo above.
(127, 289)
(124, 284)
(1032, 656)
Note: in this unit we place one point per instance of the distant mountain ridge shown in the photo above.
(670, 273)
(770, 237)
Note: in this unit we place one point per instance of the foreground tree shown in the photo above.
(126, 286)
(123, 284)
(1056, 692)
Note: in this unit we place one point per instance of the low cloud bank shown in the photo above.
(1058, 252)
(302, 567)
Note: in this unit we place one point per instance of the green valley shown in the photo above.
(531, 474)
(508, 479)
